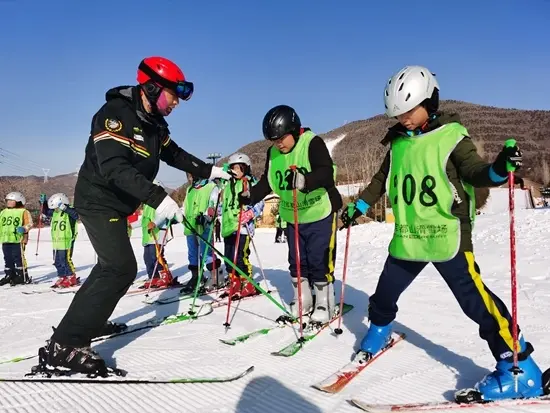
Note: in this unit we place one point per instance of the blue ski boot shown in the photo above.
(376, 339)
(500, 384)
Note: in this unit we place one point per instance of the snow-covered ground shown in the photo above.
(442, 351)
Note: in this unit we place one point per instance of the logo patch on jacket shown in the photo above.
(138, 134)
(113, 125)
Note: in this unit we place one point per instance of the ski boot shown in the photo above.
(10, 273)
(112, 328)
(18, 278)
(248, 289)
(216, 280)
(77, 359)
(376, 339)
(324, 303)
(307, 301)
(189, 288)
(500, 384)
(66, 281)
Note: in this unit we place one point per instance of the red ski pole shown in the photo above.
(297, 253)
(339, 330)
(515, 369)
(227, 324)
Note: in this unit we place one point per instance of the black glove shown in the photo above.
(509, 155)
(201, 220)
(352, 212)
(244, 198)
(295, 179)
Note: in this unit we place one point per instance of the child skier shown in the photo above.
(241, 166)
(63, 231)
(199, 209)
(15, 221)
(429, 173)
(152, 240)
(318, 201)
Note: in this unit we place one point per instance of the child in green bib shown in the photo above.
(15, 224)
(429, 173)
(64, 230)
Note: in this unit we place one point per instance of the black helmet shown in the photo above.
(280, 121)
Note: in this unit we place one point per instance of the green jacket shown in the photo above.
(464, 164)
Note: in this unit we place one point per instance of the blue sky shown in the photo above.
(328, 59)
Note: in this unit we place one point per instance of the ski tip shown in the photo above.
(228, 342)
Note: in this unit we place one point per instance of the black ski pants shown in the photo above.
(108, 281)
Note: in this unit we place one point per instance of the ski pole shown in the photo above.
(235, 256)
(339, 330)
(241, 272)
(158, 250)
(511, 202)
(297, 253)
(257, 257)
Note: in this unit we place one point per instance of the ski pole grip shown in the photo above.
(293, 167)
(510, 143)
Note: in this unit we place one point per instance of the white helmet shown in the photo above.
(408, 88)
(56, 199)
(239, 158)
(16, 196)
(158, 183)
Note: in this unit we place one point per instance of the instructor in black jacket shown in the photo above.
(129, 137)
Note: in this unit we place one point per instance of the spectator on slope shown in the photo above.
(16, 222)
(199, 209)
(318, 202)
(64, 229)
(241, 166)
(129, 137)
(430, 172)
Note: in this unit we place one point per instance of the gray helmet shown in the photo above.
(55, 199)
(408, 88)
(239, 158)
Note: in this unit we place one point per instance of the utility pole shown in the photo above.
(214, 157)
(45, 174)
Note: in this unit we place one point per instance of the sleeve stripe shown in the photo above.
(140, 150)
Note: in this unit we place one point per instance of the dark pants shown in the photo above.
(108, 281)
(278, 233)
(150, 258)
(217, 231)
(12, 256)
(317, 244)
(63, 263)
(243, 253)
(462, 275)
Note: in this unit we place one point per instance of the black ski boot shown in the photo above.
(76, 359)
(10, 273)
(18, 278)
(112, 328)
(189, 288)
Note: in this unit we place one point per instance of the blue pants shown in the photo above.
(317, 243)
(64, 263)
(12, 256)
(193, 249)
(462, 275)
(243, 254)
(150, 258)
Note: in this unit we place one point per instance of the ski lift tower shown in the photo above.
(45, 174)
(214, 157)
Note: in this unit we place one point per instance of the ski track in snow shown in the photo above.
(442, 351)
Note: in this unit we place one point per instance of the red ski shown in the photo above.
(337, 381)
(430, 406)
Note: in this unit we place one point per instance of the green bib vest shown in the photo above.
(148, 215)
(10, 219)
(231, 208)
(422, 196)
(61, 230)
(196, 203)
(313, 206)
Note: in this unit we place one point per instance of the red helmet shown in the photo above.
(164, 73)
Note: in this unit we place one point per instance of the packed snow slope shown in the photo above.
(442, 351)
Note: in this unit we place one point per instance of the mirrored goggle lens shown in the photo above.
(184, 90)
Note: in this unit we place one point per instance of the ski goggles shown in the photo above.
(184, 90)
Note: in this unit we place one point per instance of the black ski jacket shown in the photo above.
(123, 155)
